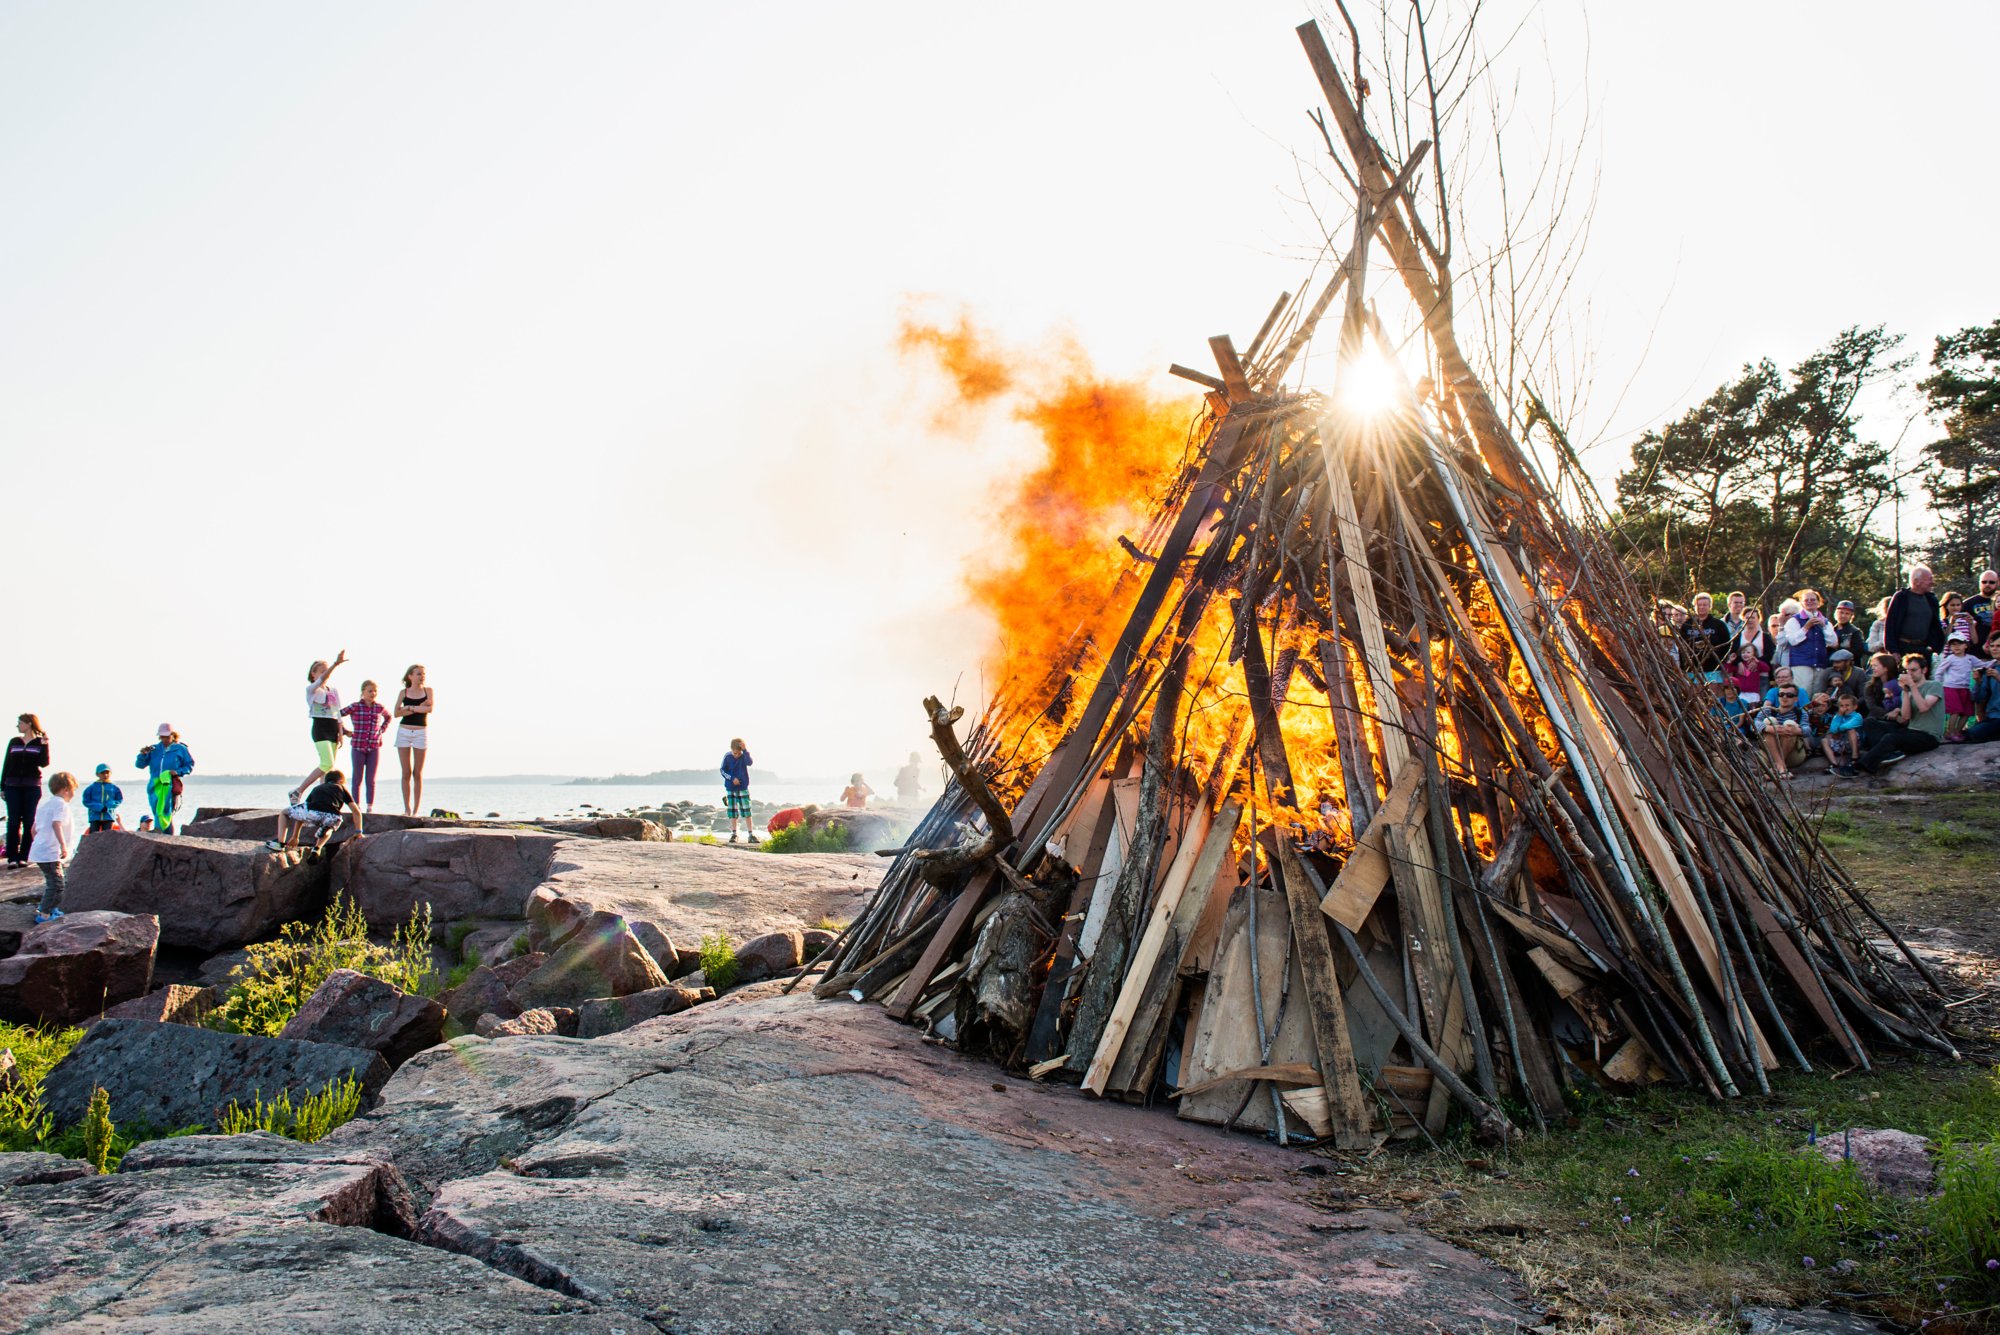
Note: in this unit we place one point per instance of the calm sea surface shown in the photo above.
(472, 798)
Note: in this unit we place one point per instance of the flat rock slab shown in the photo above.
(460, 874)
(169, 1076)
(1960, 768)
(232, 1233)
(785, 1165)
(76, 965)
(210, 894)
(690, 890)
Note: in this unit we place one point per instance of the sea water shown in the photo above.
(483, 799)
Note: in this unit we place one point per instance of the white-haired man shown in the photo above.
(1913, 624)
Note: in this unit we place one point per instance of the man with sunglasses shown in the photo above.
(1783, 727)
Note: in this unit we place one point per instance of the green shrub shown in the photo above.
(24, 1123)
(718, 959)
(312, 1120)
(798, 839)
(1950, 834)
(459, 973)
(98, 1132)
(268, 988)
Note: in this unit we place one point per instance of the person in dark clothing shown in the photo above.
(1915, 724)
(1706, 637)
(1912, 619)
(321, 812)
(736, 789)
(1980, 608)
(1847, 635)
(21, 785)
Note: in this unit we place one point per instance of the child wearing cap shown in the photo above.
(1955, 675)
(101, 802)
(166, 763)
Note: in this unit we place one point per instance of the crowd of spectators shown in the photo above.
(1805, 683)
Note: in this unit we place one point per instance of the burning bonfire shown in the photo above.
(1353, 786)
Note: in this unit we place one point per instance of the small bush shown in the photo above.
(718, 960)
(267, 989)
(459, 973)
(827, 923)
(312, 1120)
(24, 1123)
(1950, 834)
(798, 839)
(98, 1132)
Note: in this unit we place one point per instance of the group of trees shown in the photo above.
(1771, 484)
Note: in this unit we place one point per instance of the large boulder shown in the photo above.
(557, 1020)
(600, 959)
(460, 873)
(168, 1076)
(1898, 1163)
(15, 920)
(210, 894)
(552, 917)
(176, 1003)
(78, 965)
(768, 955)
(482, 993)
(610, 827)
(608, 1015)
(358, 1011)
(262, 824)
(657, 943)
(492, 942)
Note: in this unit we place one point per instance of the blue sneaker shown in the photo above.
(40, 918)
(55, 913)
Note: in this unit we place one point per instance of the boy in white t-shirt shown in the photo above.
(55, 840)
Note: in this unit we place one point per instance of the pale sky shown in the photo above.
(551, 345)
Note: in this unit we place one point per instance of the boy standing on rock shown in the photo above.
(55, 840)
(736, 788)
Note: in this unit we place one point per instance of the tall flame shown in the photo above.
(1107, 450)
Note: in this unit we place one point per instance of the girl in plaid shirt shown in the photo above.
(370, 720)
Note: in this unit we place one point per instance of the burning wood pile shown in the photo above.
(1383, 799)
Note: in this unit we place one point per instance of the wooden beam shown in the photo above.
(1232, 367)
(1365, 874)
(1215, 383)
(942, 942)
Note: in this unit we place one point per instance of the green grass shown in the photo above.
(1649, 1190)
(316, 1116)
(1951, 835)
(459, 973)
(268, 988)
(718, 960)
(798, 839)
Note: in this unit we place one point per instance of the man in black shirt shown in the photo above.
(1706, 637)
(1913, 625)
(1980, 608)
(1847, 635)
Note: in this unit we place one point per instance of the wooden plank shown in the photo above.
(968, 903)
(1230, 1021)
(1124, 806)
(1139, 1062)
(1566, 981)
(1139, 967)
(1347, 1109)
(1292, 1073)
(1365, 874)
(1044, 1034)
(1237, 385)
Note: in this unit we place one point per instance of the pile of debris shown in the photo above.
(1384, 798)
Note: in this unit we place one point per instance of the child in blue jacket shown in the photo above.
(101, 801)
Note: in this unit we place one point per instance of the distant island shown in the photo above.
(712, 775)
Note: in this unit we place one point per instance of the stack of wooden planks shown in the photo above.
(1382, 800)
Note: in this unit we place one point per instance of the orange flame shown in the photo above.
(1108, 448)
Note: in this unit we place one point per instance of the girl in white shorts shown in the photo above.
(413, 713)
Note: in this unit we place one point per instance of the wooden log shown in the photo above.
(942, 942)
(1238, 386)
(1044, 1034)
